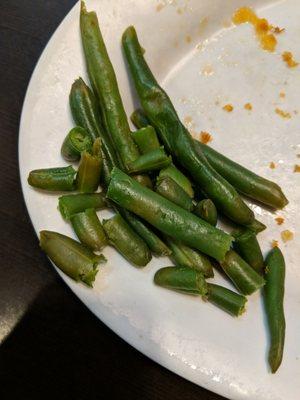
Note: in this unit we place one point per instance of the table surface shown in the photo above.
(50, 344)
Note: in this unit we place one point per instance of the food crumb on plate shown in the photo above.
(277, 30)
(288, 58)
(159, 7)
(205, 137)
(188, 39)
(283, 114)
(274, 243)
(282, 95)
(228, 107)
(248, 106)
(287, 235)
(272, 165)
(279, 220)
(297, 166)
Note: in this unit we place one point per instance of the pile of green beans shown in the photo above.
(167, 191)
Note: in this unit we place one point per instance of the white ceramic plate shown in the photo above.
(204, 63)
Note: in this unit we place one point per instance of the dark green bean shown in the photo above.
(169, 189)
(89, 170)
(206, 210)
(152, 161)
(75, 203)
(256, 226)
(139, 119)
(73, 258)
(143, 180)
(247, 246)
(226, 299)
(172, 172)
(53, 179)
(273, 296)
(76, 141)
(146, 139)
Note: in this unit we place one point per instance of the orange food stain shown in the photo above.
(248, 106)
(228, 107)
(288, 58)
(297, 168)
(159, 7)
(279, 220)
(282, 95)
(188, 39)
(287, 235)
(272, 165)
(205, 137)
(261, 25)
(274, 243)
(283, 114)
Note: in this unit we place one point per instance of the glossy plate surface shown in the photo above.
(204, 63)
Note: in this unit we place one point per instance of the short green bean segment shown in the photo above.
(274, 296)
(89, 230)
(73, 258)
(76, 141)
(166, 216)
(247, 246)
(144, 180)
(177, 176)
(153, 160)
(226, 299)
(126, 241)
(170, 190)
(53, 179)
(206, 210)
(89, 170)
(69, 205)
(146, 139)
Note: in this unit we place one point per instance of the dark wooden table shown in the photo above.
(51, 346)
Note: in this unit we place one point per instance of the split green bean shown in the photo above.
(89, 170)
(53, 179)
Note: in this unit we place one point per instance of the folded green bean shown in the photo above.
(75, 203)
(206, 210)
(152, 161)
(247, 246)
(105, 83)
(139, 119)
(73, 258)
(126, 241)
(89, 170)
(273, 296)
(184, 256)
(169, 189)
(146, 139)
(88, 229)
(185, 280)
(76, 141)
(226, 299)
(167, 216)
(53, 179)
(155, 244)
(172, 172)
(241, 274)
(143, 180)
(177, 139)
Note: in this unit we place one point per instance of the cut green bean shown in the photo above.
(184, 256)
(166, 216)
(105, 83)
(126, 241)
(143, 180)
(256, 226)
(146, 139)
(152, 161)
(172, 172)
(89, 230)
(241, 274)
(139, 119)
(247, 246)
(226, 299)
(75, 203)
(185, 280)
(76, 141)
(206, 210)
(73, 258)
(89, 170)
(169, 189)
(53, 179)
(273, 296)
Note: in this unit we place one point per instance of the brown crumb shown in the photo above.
(279, 220)
(188, 39)
(248, 106)
(274, 243)
(288, 58)
(283, 114)
(287, 235)
(296, 168)
(282, 95)
(205, 137)
(159, 7)
(228, 107)
(272, 165)
(277, 30)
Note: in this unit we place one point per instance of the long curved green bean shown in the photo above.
(273, 296)
(53, 179)
(69, 205)
(177, 139)
(166, 216)
(169, 189)
(76, 141)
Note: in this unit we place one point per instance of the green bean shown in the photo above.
(169, 189)
(177, 139)
(185, 280)
(76, 141)
(256, 226)
(166, 216)
(53, 179)
(241, 274)
(152, 161)
(206, 210)
(139, 119)
(184, 256)
(146, 139)
(89, 170)
(155, 244)
(89, 230)
(172, 172)
(105, 83)
(73, 258)
(273, 296)
(245, 181)
(247, 246)
(226, 299)
(143, 180)
(126, 241)
(75, 203)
